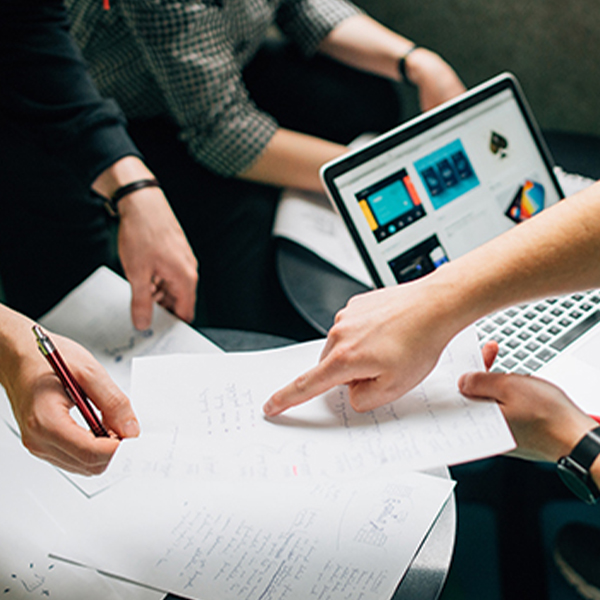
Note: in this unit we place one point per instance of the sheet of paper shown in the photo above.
(309, 220)
(299, 540)
(203, 420)
(571, 183)
(97, 315)
(27, 535)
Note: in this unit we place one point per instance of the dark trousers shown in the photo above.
(53, 233)
(228, 221)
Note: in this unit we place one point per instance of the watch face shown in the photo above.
(577, 480)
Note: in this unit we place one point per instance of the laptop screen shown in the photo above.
(444, 183)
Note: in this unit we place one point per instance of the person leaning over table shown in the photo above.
(383, 343)
(237, 114)
(59, 140)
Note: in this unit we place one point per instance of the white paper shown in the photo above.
(571, 183)
(27, 535)
(293, 541)
(309, 220)
(203, 420)
(97, 315)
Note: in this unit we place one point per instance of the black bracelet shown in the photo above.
(111, 203)
(402, 66)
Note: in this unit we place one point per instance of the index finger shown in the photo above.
(318, 380)
(142, 290)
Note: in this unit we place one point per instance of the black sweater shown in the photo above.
(45, 90)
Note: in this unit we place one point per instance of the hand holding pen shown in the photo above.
(47, 427)
(73, 389)
(42, 408)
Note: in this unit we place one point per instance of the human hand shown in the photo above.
(381, 345)
(156, 257)
(41, 406)
(435, 79)
(545, 423)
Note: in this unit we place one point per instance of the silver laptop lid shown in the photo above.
(444, 183)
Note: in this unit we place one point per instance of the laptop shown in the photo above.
(448, 181)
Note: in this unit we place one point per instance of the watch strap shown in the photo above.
(111, 203)
(574, 469)
(402, 66)
(586, 451)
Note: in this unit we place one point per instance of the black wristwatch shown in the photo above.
(402, 66)
(574, 469)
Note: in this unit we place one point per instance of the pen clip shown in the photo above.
(43, 341)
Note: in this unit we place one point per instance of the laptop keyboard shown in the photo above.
(531, 335)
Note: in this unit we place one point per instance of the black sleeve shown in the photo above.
(46, 91)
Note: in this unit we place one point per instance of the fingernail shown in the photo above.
(131, 428)
(268, 408)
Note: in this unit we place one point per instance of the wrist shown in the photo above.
(457, 302)
(116, 205)
(419, 64)
(16, 342)
(122, 179)
(579, 468)
(572, 431)
(437, 304)
(595, 471)
(414, 64)
(119, 174)
(403, 66)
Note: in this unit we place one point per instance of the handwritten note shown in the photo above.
(28, 534)
(203, 419)
(298, 540)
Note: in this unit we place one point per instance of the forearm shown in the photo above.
(556, 252)
(362, 42)
(293, 159)
(16, 339)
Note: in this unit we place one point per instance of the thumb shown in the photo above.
(117, 412)
(480, 385)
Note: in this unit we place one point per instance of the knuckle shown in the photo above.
(113, 402)
(91, 462)
(31, 443)
(301, 383)
(341, 357)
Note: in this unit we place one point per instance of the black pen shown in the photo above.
(73, 389)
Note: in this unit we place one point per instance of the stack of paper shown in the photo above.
(216, 501)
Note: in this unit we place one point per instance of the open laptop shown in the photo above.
(448, 181)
